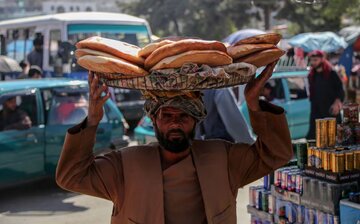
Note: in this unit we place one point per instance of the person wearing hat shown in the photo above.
(178, 179)
(326, 90)
(35, 72)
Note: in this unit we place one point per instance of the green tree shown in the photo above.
(353, 12)
(209, 19)
(316, 17)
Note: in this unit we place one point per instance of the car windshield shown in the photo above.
(127, 95)
(68, 106)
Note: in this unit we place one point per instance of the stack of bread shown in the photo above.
(259, 50)
(123, 60)
(168, 54)
(104, 55)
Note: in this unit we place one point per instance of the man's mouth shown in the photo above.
(175, 135)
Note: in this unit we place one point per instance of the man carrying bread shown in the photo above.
(177, 180)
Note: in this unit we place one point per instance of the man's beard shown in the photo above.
(319, 67)
(177, 145)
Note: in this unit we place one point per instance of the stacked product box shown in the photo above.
(323, 182)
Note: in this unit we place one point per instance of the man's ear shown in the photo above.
(153, 119)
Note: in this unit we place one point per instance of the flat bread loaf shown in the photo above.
(148, 49)
(262, 58)
(268, 38)
(84, 51)
(119, 49)
(246, 49)
(103, 64)
(180, 47)
(209, 57)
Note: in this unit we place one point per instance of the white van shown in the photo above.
(60, 32)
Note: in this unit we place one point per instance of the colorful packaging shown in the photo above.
(271, 204)
(299, 183)
(300, 216)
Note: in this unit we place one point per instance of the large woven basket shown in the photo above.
(189, 77)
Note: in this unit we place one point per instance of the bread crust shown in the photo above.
(85, 51)
(210, 57)
(148, 49)
(262, 58)
(245, 49)
(268, 38)
(103, 64)
(180, 47)
(119, 49)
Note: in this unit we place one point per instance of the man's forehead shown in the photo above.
(170, 110)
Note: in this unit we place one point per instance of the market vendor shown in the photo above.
(326, 90)
(178, 179)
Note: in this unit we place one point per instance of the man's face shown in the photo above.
(37, 76)
(174, 129)
(11, 104)
(315, 62)
(38, 47)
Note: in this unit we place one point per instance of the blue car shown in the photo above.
(30, 144)
(288, 89)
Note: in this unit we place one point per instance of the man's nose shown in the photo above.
(175, 124)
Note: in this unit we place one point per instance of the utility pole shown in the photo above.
(267, 6)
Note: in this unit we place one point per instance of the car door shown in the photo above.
(21, 137)
(65, 107)
(298, 106)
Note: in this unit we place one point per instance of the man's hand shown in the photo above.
(253, 88)
(336, 107)
(96, 101)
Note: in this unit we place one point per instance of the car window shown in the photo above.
(127, 95)
(18, 111)
(297, 88)
(55, 40)
(67, 106)
(273, 91)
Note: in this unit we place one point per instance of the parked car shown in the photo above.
(53, 105)
(289, 89)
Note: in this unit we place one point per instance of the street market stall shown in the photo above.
(321, 185)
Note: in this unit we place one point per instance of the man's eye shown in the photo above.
(185, 117)
(166, 115)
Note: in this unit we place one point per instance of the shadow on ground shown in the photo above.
(36, 199)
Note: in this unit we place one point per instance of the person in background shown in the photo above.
(224, 120)
(24, 67)
(326, 90)
(35, 72)
(11, 117)
(35, 57)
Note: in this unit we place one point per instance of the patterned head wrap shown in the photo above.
(191, 103)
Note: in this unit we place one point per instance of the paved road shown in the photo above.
(44, 203)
